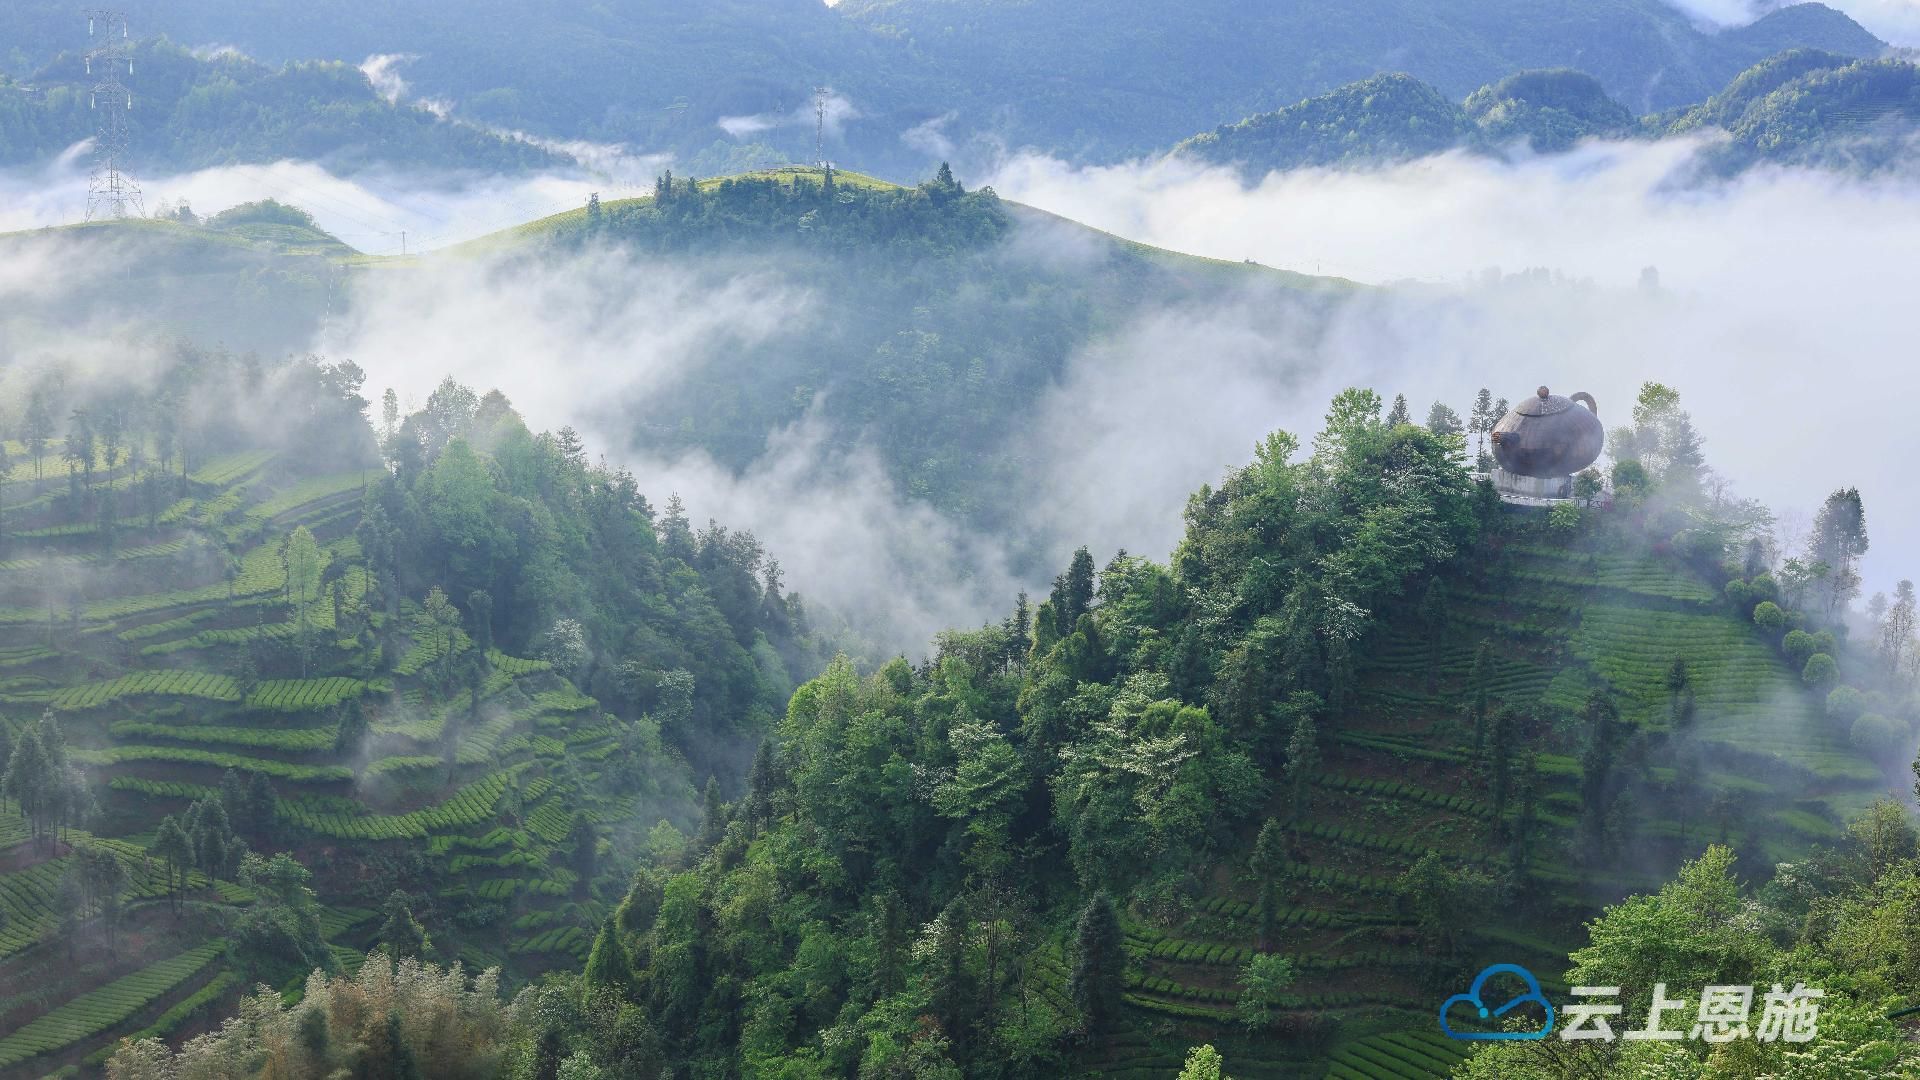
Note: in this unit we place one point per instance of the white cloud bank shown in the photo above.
(1894, 21)
(369, 210)
(1784, 314)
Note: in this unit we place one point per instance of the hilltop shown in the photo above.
(1803, 106)
(911, 293)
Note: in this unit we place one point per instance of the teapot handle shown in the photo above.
(1588, 398)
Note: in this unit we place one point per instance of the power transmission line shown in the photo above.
(110, 191)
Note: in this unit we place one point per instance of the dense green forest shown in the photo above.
(1252, 804)
(271, 690)
(287, 688)
(197, 112)
(924, 79)
(1801, 107)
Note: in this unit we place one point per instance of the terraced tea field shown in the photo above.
(1399, 780)
(169, 653)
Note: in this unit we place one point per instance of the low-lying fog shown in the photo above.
(1777, 303)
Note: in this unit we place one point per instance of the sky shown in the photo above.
(1894, 21)
(1781, 313)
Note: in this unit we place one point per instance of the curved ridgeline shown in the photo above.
(198, 617)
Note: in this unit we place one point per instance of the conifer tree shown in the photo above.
(351, 735)
(1072, 593)
(713, 816)
(1099, 962)
(1499, 762)
(1596, 765)
(1479, 677)
(1433, 615)
(480, 613)
(1303, 760)
(583, 848)
(607, 964)
(1398, 414)
(1268, 863)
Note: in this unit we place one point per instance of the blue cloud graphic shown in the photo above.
(1472, 997)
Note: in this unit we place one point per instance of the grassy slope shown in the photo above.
(139, 683)
(1397, 784)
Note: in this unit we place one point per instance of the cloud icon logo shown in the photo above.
(1472, 997)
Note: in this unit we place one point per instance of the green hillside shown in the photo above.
(1368, 723)
(1803, 106)
(473, 688)
(1818, 109)
(200, 615)
(912, 294)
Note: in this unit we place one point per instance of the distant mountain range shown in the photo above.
(195, 111)
(721, 84)
(1803, 106)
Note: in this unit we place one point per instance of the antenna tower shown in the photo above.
(111, 193)
(820, 96)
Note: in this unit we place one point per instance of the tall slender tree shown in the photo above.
(1099, 962)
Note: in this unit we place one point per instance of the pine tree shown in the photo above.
(1839, 539)
(1499, 761)
(1479, 678)
(1433, 615)
(1269, 861)
(1596, 766)
(713, 816)
(1680, 690)
(1521, 851)
(607, 964)
(350, 737)
(1099, 962)
(1073, 593)
(760, 784)
(1897, 630)
(1398, 414)
(31, 783)
(1303, 760)
(583, 850)
(480, 613)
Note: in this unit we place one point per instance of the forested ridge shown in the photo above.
(724, 86)
(1802, 107)
(936, 317)
(196, 112)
